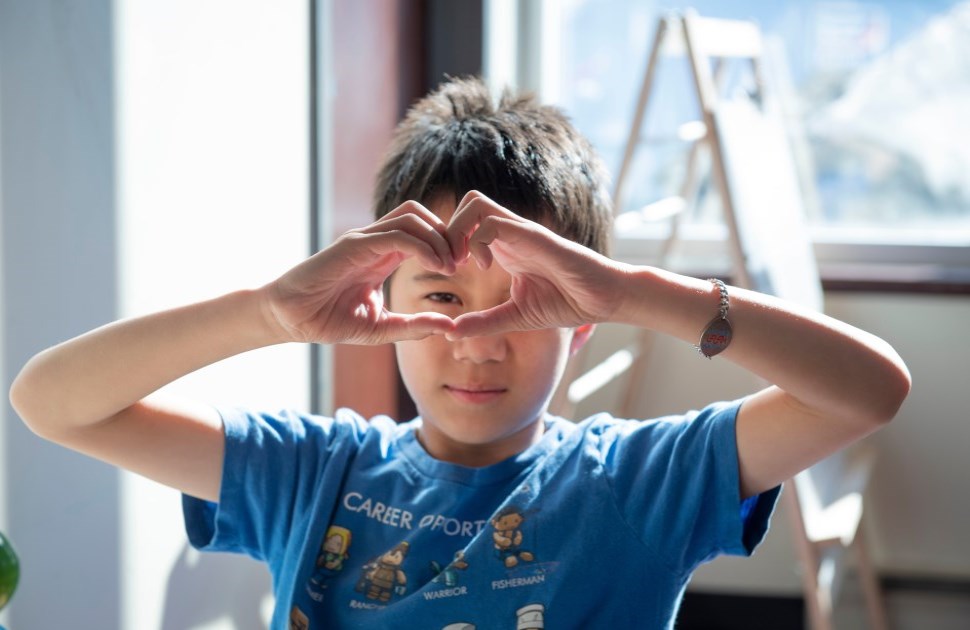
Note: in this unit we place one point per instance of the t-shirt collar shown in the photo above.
(553, 433)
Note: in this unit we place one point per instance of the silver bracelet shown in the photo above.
(717, 334)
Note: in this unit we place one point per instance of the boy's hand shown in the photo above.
(556, 283)
(336, 295)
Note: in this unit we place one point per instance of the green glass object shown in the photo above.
(9, 571)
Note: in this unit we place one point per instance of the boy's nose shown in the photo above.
(480, 349)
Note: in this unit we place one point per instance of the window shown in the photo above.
(879, 91)
(213, 173)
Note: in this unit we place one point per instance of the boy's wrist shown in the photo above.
(636, 290)
(271, 331)
(245, 321)
(667, 302)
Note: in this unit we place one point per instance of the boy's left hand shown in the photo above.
(556, 283)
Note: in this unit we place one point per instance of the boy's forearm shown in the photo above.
(822, 362)
(92, 377)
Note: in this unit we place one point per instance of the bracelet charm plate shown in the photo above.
(716, 337)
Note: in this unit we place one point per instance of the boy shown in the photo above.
(486, 269)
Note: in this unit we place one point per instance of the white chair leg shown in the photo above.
(872, 591)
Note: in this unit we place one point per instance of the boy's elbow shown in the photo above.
(892, 394)
(25, 398)
(19, 396)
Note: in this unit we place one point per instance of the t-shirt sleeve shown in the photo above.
(677, 484)
(272, 467)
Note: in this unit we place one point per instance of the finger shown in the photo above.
(416, 226)
(470, 196)
(510, 231)
(415, 208)
(502, 318)
(481, 253)
(399, 242)
(417, 326)
(469, 214)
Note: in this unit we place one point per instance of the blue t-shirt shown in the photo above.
(598, 525)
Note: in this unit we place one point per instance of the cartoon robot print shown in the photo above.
(333, 553)
(507, 536)
(449, 574)
(530, 617)
(382, 576)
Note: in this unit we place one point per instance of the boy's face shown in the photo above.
(481, 399)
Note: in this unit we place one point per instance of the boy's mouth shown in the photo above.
(475, 394)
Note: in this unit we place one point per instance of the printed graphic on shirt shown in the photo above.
(531, 578)
(382, 577)
(507, 537)
(333, 553)
(402, 518)
(298, 619)
(530, 617)
(449, 575)
(447, 578)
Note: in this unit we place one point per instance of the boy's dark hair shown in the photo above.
(524, 155)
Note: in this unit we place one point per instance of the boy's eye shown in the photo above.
(442, 297)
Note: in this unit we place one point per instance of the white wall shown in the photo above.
(3, 378)
(919, 498)
(59, 260)
(152, 154)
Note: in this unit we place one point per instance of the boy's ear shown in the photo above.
(581, 335)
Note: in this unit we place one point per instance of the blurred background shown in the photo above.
(156, 153)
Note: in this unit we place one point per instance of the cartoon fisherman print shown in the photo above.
(507, 536)
(333, 552)
(382, 577)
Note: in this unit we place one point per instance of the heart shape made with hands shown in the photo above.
(455, 279)
(336, 295)
(550, 275)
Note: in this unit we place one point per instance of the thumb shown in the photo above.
(417, 326)
(502, 318)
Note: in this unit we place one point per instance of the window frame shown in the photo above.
(521, 43)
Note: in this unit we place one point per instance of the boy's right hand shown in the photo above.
(336, 295)
(93, 393)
